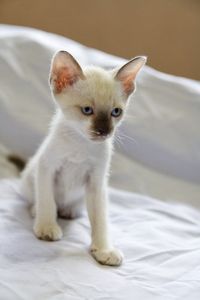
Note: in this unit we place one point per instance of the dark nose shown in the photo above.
(102, 132)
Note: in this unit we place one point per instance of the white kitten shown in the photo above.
(73, 161)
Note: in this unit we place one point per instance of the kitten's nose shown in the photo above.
(102, 132)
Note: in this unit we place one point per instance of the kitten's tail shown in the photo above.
(17, 161)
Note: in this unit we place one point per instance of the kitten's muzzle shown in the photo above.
(102, 132)
(101, 126)
(100, 135)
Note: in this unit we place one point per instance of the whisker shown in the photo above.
(122, 135)
(118, 141)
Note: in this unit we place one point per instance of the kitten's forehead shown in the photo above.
(101, 87)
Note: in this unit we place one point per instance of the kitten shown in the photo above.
(73, 161)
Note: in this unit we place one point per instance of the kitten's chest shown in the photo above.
(76, 154)
(70, 181)
(78, 162)
(73, 173)
(75, 164)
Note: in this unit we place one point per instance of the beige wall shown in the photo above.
(168, 31)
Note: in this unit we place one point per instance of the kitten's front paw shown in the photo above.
(110, 257)
(48, 232)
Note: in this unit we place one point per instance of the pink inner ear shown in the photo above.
(128, 84)
(64, 78)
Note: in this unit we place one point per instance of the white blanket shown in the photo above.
(159, 157)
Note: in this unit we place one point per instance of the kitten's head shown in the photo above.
(92, 99)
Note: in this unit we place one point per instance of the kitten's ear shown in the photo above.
(64, 72)
(128, 72)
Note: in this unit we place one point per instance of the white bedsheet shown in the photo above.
(160, 239)
(160, 242)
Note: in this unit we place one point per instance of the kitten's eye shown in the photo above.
(116, 112)
(87, 110)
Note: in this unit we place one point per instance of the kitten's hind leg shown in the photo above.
(32, 210)
(70, 211)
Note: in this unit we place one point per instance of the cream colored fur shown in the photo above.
(72, 164)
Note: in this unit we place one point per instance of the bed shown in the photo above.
(154, 186)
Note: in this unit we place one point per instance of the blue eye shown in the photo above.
(87, 110)
(116, 112)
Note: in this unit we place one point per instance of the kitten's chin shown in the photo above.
(100, 139)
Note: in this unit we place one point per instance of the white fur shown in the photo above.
(69, 166)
